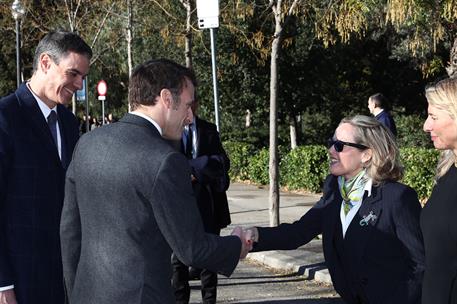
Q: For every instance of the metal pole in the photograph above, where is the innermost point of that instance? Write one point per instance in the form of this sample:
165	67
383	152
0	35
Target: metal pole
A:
18	51
87	105
213	63
103	111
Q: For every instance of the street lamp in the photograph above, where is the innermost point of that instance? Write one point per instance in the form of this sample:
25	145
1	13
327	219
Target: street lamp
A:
18	12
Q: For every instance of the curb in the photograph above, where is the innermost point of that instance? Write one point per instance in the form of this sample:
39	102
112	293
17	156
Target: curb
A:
312	267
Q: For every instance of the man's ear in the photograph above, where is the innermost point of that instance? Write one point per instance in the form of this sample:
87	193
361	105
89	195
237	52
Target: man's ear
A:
44	62
166	97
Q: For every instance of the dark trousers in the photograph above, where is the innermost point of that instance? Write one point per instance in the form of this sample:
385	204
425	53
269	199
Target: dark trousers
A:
180	282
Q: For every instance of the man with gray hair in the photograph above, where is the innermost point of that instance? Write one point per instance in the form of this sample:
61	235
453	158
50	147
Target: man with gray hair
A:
37	137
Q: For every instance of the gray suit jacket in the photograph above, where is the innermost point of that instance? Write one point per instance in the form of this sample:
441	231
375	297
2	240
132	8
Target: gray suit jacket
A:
128	204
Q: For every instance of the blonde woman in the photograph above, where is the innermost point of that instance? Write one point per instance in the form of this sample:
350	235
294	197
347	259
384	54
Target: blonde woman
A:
369	221
438	220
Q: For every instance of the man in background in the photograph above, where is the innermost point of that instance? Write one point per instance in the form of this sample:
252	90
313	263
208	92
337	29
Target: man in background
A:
376	104
209	168
129	201
37	137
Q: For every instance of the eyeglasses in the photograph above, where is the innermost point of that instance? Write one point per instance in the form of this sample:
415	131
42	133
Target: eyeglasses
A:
339	145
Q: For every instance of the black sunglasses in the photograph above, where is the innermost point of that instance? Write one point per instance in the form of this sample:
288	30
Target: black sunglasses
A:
339	145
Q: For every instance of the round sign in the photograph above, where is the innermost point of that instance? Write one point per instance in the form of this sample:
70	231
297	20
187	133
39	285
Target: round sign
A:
102	88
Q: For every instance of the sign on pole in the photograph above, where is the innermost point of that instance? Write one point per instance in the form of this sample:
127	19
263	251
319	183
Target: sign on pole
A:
208	13
208	17
102	88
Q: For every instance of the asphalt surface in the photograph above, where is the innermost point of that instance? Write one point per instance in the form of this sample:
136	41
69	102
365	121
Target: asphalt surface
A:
249	206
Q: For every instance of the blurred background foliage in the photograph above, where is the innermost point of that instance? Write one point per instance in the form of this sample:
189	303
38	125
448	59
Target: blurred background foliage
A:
334	55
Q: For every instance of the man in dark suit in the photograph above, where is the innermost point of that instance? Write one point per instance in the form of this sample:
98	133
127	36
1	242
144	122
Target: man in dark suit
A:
376	105
129	201
209	166
37	137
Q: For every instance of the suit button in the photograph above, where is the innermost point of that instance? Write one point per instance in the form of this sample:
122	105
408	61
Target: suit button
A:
364	281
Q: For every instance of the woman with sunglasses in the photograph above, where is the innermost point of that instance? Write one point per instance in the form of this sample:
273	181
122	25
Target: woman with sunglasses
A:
438	219
368	220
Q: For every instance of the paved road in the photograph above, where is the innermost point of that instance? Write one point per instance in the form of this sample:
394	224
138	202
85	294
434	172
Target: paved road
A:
253	283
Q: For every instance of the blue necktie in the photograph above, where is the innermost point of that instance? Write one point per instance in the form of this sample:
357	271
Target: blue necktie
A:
52	123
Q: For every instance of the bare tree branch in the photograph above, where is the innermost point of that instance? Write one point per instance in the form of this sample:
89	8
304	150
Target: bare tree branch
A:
101	25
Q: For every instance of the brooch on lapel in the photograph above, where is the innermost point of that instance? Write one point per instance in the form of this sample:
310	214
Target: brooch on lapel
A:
367	218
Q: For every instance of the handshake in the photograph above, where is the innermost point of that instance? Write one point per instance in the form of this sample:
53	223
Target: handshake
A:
247	236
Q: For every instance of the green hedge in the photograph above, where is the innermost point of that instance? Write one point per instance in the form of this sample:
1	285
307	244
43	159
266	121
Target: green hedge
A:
420	164
239	154
258	167
410	134
305	167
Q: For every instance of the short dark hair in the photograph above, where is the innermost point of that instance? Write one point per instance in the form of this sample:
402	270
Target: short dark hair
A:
379	100
57	44
150	78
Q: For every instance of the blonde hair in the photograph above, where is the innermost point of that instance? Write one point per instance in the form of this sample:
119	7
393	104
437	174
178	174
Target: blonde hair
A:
385	162
443	95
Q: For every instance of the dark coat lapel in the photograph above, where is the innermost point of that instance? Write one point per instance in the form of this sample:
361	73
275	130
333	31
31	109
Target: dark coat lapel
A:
363	233
66	132
35	118
200	131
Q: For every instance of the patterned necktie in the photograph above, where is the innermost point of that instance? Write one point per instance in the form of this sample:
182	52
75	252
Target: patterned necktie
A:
52	124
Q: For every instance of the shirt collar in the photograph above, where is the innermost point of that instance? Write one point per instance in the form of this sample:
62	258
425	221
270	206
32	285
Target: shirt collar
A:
148	119
43	107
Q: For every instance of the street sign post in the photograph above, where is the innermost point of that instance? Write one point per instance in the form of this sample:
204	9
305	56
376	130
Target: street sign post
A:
208	17
102	88
208	13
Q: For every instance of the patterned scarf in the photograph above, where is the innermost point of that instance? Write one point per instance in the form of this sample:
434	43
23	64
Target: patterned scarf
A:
352	190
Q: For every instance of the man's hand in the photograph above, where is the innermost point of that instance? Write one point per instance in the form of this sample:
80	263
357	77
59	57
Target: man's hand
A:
193	179
252	233
246	243
8	297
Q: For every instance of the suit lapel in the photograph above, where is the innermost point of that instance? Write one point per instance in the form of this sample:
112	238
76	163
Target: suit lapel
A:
65	133
201	137
35	118
360	232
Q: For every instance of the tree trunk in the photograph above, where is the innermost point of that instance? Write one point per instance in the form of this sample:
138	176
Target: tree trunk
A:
248	118
293	132
452	67
273	163
188	43
129	40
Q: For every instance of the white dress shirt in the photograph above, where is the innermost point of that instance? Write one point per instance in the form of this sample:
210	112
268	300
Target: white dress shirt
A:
46	111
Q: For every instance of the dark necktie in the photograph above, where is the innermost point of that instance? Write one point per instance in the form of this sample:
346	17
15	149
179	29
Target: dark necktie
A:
189	143
52	120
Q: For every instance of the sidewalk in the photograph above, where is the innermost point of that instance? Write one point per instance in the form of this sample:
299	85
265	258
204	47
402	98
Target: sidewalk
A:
249	207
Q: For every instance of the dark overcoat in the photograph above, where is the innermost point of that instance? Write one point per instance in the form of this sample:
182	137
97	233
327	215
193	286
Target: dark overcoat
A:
32	178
